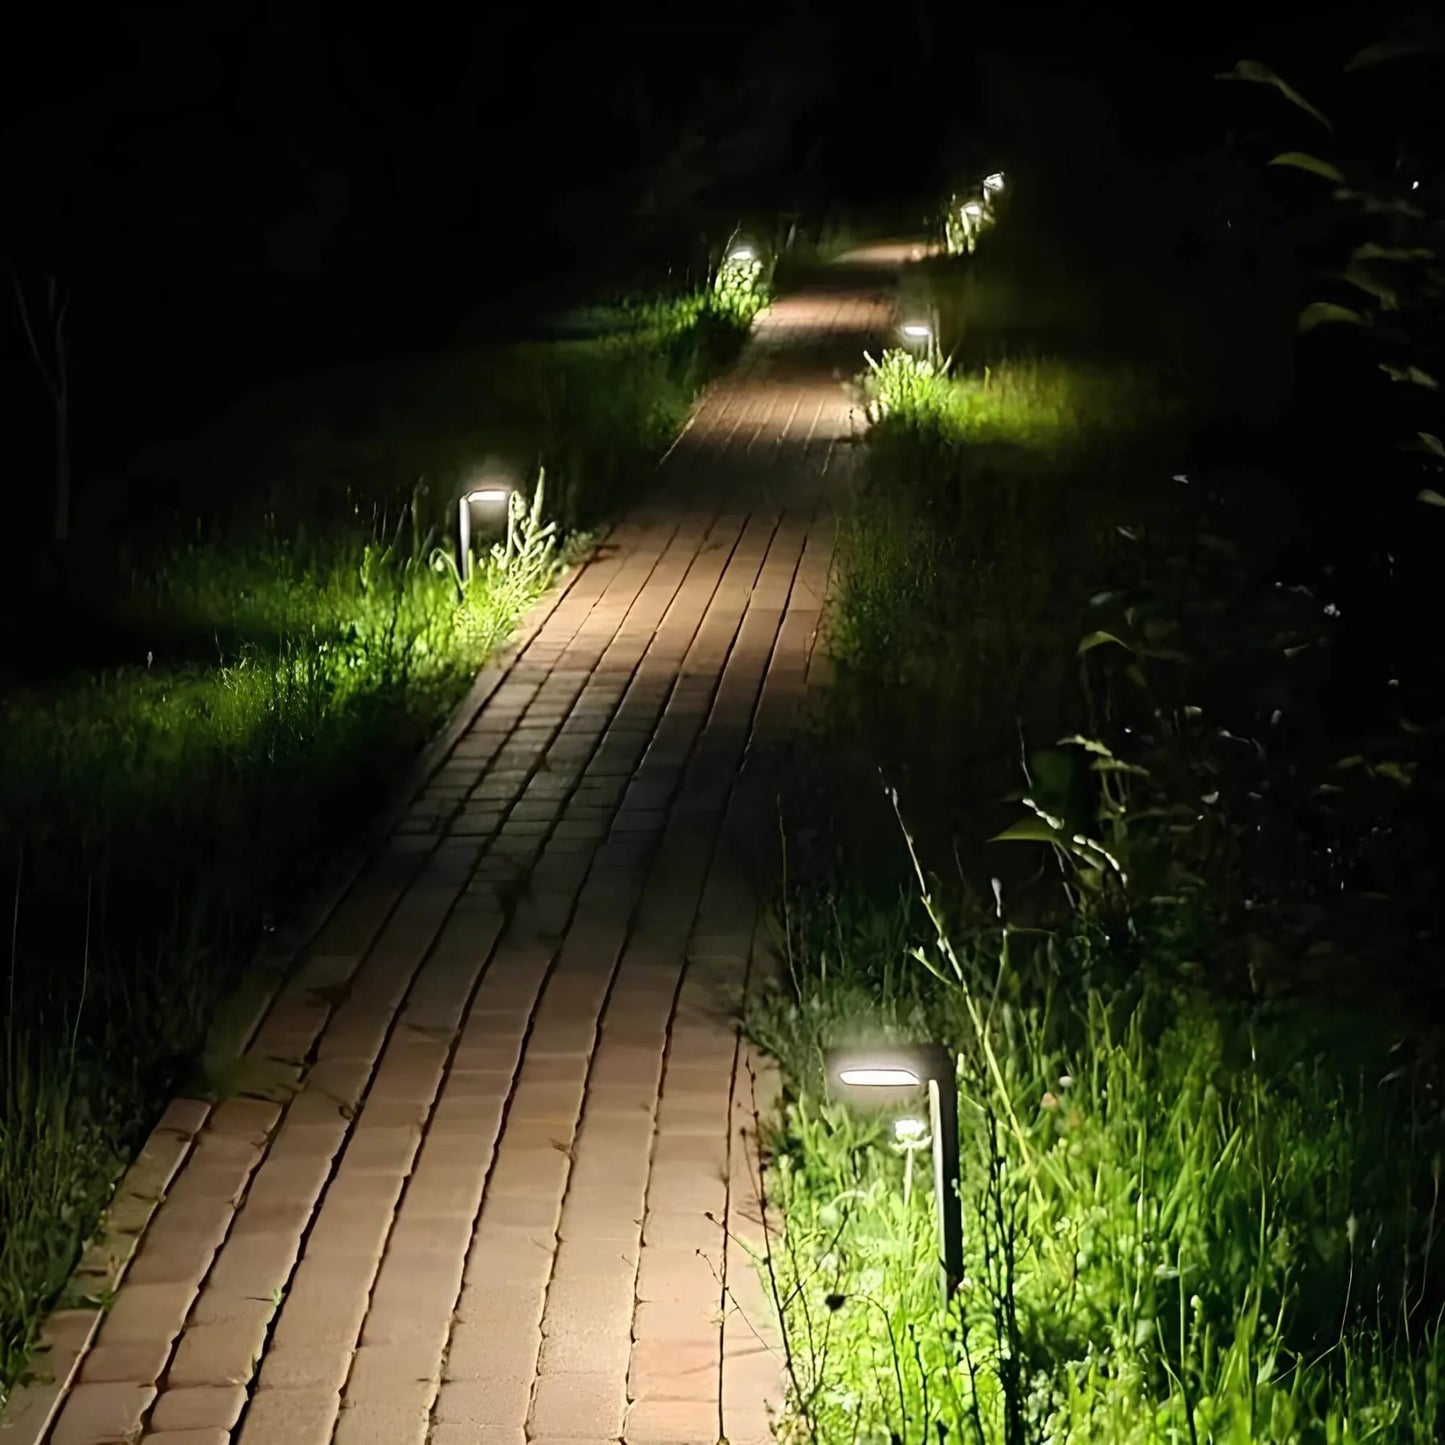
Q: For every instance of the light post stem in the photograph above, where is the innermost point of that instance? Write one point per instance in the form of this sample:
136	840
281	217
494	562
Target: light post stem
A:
464	538
943	1111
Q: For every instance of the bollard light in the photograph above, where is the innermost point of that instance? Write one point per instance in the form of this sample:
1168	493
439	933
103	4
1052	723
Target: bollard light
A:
858	1073
483	509
920	338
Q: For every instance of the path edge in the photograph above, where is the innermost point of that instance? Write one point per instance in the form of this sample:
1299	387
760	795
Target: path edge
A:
29	1412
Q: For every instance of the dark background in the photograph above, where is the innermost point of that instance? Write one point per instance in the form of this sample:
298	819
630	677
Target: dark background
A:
234	192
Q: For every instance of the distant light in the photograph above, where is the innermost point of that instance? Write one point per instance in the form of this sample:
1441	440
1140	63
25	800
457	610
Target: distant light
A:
483	495
880	1078
993	182
918	330
1414	185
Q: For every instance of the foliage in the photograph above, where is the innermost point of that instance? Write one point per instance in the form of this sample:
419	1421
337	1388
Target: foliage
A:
1184	795
739	288
1378	239
156	816
912	387
1179	1223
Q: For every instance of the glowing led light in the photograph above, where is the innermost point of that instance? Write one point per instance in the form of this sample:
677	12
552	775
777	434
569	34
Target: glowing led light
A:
483	495
880	1078
918	331
742	253
907	1067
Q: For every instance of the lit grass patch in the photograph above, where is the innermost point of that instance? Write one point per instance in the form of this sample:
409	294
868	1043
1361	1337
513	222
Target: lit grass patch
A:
1181	1222
154	816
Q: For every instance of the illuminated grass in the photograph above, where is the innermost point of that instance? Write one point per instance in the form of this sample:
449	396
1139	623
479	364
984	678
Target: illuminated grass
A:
1180	1223
157	817
1201	1163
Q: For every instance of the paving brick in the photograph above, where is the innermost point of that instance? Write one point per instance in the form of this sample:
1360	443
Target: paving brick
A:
411	1302
675	1368
147	1312
677	1276
322	1364
254	1263
529	1163
673	1422
251	1119
483	1408
379	1372
126	1362
290	1417
502	1360
94	1413
198	1408
226	1353
578	1404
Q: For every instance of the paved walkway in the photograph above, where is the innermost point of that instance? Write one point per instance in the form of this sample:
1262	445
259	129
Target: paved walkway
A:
510	1193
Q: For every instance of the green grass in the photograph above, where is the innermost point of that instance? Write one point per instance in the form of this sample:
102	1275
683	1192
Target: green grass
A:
1180	1222
594	410
291	653
966	563
1201	1154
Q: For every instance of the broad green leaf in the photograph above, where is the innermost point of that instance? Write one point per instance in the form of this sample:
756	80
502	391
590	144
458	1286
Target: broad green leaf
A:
1412	374
1318	313
1371	285
1113	765
1430	497
1431	443
1396	773
1089	745
1027	830
1098	639
1380	205
1383	50
1303	161
1263	75
1372	252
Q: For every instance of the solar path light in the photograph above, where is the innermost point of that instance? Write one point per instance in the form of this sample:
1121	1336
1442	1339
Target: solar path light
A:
886	1075
483	510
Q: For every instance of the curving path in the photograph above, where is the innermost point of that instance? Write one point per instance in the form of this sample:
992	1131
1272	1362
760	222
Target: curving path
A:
497	1182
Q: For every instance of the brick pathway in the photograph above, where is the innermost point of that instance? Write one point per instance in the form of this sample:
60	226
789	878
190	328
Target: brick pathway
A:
510	1194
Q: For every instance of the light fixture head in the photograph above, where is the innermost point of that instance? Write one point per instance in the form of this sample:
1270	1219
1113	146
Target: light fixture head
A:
880	1077
482	496
903	1066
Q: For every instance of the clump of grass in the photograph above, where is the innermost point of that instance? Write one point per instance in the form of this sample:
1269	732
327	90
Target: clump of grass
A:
153	817
1201	1171
1180	1222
